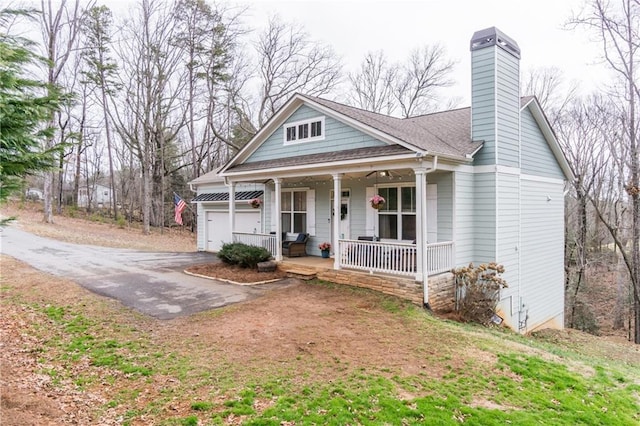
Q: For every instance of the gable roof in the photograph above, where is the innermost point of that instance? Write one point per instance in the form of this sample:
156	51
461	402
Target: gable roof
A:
445	133
441	133
531	102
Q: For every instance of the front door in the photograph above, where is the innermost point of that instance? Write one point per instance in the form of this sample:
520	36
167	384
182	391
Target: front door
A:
342	217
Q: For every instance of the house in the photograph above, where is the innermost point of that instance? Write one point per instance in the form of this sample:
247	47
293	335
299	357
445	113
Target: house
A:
476	184
96	195
34	194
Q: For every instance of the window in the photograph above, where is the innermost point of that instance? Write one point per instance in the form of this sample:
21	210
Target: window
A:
316	129
291	133
304	131
294	211
397	218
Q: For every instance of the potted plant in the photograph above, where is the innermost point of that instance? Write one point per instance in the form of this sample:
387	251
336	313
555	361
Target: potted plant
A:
255	203
377	201
324	249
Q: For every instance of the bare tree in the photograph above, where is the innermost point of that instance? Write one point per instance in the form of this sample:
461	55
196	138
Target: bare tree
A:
372	86
426	71
60	28
289	62
552	91
617	26
149	117
405	89
579	130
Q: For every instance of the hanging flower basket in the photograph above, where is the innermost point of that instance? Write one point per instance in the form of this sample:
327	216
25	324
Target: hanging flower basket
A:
255	203
377	202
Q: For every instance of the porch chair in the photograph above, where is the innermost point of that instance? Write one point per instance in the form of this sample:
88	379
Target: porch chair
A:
297	247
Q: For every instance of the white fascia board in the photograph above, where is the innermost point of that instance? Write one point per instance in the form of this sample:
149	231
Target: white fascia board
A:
267	130
549	136
324	168
346	166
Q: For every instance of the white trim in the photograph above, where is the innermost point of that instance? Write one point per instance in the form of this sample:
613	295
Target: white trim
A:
330	167
542	179
385	137
545	127
310	138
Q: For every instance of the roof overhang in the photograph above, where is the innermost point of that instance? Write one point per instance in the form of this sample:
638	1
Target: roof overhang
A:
288	109
550	136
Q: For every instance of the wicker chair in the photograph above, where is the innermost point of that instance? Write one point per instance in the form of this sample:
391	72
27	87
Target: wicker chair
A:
297	247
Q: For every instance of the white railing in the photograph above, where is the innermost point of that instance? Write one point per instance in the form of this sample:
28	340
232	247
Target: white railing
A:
267	241
440	257
394	258
391	258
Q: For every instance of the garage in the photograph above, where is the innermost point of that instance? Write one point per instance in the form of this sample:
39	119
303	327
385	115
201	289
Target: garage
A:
217	226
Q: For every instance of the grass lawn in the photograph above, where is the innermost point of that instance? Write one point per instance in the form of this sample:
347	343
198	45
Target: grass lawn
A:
350	357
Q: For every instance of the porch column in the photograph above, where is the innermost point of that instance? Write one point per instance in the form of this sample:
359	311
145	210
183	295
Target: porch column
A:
421	231
278	218
337	204
232	208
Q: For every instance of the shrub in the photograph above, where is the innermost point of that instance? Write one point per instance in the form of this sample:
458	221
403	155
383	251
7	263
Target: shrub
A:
478	291
121	222
243	255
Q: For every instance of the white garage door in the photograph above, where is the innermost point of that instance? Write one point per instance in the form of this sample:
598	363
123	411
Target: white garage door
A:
218	231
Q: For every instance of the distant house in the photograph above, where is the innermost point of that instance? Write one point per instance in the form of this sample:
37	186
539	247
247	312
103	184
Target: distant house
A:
476	184
34	194
96	196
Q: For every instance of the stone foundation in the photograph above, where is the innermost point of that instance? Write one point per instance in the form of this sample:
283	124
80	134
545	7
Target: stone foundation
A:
441	287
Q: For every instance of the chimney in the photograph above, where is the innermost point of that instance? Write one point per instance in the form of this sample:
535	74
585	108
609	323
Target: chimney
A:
495	97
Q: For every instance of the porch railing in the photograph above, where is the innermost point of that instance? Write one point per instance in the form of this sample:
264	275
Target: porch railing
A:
394	258
267	241
440	257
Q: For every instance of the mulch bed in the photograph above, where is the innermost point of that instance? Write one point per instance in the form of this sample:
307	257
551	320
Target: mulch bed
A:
235	273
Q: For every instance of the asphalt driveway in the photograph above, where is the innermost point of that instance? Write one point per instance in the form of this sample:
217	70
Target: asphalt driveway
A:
150	282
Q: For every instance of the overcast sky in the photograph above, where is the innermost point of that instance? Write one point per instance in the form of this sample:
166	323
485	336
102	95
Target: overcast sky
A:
357	26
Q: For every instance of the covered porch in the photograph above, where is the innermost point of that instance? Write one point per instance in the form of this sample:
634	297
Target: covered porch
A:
374	257
409	236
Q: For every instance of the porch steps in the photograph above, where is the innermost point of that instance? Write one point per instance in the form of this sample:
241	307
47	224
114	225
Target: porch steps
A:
299	271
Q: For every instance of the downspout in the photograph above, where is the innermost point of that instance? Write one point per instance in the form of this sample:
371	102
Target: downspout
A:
425	280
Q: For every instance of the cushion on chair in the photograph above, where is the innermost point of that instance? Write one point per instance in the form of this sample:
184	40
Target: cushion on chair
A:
301	238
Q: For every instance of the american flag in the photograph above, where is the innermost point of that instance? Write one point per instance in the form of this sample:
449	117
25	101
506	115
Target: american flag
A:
180	205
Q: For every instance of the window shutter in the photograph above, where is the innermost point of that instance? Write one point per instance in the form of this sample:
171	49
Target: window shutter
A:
311	212
370	215
274	225
432	213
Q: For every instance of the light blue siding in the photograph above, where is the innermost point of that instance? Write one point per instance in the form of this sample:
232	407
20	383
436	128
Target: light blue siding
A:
338	137
484	212
483	103
537	157
508	231
542	257
445	204
495	106
464	218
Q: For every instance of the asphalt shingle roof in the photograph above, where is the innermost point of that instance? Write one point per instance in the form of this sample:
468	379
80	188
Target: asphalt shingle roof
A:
446	132
325	157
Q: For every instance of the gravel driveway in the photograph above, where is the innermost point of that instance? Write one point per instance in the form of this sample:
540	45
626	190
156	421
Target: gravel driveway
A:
150	282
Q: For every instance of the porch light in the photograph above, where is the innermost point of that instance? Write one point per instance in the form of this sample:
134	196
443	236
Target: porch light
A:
381	173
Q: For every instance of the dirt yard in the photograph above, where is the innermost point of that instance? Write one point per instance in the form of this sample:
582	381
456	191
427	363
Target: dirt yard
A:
336	326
